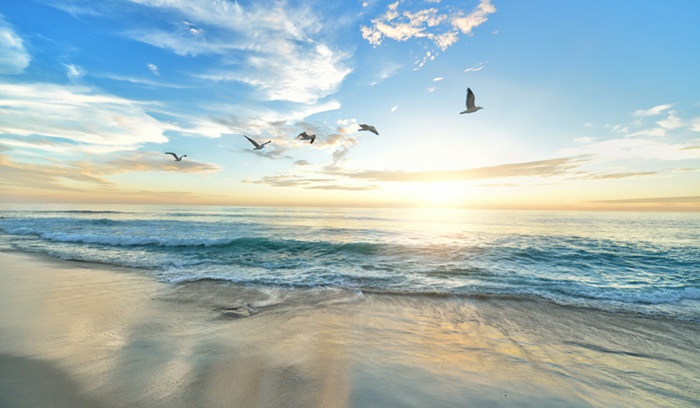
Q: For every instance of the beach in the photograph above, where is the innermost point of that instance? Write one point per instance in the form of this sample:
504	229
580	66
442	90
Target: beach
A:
84	334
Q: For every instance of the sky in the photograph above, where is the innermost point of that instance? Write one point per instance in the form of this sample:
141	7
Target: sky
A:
587	105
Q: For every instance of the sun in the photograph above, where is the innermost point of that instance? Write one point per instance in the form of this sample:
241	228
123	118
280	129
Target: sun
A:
441	193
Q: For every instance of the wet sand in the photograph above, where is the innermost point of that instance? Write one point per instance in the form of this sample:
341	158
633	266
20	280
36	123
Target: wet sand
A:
83	335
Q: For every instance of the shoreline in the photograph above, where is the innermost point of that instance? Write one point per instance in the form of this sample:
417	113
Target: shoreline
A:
83	334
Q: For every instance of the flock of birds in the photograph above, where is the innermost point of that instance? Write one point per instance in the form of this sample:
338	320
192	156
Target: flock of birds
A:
471	108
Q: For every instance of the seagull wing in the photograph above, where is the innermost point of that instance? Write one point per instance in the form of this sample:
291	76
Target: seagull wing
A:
369	128
312	139
302	135
471	99
252	141
263	145
174	155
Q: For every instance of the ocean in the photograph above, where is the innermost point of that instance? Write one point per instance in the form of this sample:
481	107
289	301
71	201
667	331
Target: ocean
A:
618	262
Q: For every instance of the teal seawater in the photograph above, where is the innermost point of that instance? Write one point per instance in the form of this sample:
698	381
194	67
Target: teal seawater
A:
646	263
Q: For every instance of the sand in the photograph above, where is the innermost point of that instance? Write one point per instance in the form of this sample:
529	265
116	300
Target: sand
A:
83	335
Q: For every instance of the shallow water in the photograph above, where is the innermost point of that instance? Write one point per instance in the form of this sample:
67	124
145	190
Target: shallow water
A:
640	263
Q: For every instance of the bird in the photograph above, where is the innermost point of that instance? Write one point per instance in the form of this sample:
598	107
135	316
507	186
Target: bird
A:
470	103
369	128
306	136
176	157
256	144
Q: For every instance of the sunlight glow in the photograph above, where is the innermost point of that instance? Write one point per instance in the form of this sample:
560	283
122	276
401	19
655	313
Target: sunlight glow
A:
440	193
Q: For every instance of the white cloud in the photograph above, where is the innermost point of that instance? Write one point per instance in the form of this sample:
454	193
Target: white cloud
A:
695	126
154	69
478	16
297	77
671	122
386	72
429	56
13	56
289	65
275	122
656	110
477	67
78	114
620	129
394	108
437	79
628	148
74	71
441	27
653	132
666	139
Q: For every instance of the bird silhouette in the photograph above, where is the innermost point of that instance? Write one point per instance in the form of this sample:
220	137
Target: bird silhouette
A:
176	156
305	136
471	99
369	128
256	144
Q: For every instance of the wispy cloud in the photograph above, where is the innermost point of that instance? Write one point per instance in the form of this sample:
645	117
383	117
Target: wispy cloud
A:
603	176
294	63
339	178
695	125
73	71
90	178
386	72
286	180
311	183
14	57
542	168
653	200
79	114
671	122
270	122
665	139
139	81
302	76
656	110
96	170
633	148
477	67
140	161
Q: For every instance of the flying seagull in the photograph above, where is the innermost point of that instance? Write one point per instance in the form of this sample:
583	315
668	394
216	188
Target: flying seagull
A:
470	103
257	146
176	157
306	136
369	128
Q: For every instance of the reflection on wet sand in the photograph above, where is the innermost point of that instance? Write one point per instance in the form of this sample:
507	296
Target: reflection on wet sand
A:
115	338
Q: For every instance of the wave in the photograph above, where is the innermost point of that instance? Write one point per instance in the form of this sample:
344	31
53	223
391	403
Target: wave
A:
253	243
651	297
669	305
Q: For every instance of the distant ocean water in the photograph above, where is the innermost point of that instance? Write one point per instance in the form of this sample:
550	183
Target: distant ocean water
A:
643	263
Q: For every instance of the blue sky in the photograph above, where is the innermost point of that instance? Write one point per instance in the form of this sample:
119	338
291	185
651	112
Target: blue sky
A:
587	105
